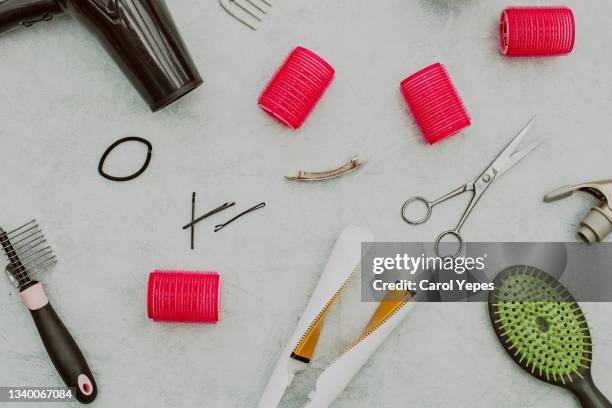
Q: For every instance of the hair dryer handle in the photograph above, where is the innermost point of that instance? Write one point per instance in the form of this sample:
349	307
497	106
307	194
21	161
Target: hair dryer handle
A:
15	13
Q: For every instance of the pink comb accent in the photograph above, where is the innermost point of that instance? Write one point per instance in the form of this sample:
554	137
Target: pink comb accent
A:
177	296
536	31
34	297
435	104
296	87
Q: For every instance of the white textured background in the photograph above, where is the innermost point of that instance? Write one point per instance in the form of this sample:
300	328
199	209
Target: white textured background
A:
63	101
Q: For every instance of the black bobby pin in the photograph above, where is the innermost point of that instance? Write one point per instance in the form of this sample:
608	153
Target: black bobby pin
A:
208	214
257	207
192	217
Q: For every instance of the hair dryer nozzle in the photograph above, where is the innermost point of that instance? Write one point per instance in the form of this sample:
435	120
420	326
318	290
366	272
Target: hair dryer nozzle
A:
597	224
143	39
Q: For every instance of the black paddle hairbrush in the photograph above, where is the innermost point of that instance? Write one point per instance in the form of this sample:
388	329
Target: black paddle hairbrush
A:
543	329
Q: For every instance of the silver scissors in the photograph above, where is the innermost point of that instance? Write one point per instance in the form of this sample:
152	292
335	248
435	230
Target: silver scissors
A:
502	163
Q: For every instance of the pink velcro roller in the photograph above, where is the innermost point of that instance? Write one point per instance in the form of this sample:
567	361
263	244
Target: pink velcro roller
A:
296	87
434	103
536	31
177	296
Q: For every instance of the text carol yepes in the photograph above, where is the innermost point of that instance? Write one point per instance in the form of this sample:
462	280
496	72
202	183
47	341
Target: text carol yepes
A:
426	285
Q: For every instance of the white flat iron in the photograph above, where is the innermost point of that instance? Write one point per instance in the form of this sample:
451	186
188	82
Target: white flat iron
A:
344	259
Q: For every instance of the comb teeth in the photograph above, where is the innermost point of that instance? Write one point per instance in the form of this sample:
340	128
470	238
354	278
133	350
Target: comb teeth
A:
248	12
27	252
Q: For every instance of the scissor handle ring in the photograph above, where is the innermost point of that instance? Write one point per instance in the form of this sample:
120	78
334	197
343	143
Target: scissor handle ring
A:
439	240
410	201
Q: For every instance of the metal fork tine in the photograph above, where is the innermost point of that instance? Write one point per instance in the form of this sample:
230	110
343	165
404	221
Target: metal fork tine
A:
29	259
32	264
252	3
25	270
27	251
47	255
30	244
19	241
30	252
23	257
37	268
246	9
18	228
30	241
248	12
12	238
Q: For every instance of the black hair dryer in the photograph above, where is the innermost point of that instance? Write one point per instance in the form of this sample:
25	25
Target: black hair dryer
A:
139	34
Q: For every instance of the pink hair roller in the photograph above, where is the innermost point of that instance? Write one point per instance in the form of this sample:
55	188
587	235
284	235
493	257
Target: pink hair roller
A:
296	87
434	103
177	296
536	31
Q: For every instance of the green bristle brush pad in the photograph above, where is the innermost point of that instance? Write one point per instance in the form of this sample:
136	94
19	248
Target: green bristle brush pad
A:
541	326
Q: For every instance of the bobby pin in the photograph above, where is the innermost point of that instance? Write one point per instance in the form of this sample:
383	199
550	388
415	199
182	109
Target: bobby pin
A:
257	207
192	217
208	214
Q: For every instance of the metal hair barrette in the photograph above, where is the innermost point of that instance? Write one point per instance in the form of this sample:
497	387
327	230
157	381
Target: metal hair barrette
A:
346	168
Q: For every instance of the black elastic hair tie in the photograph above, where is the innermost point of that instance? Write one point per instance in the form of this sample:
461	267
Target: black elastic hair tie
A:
117	143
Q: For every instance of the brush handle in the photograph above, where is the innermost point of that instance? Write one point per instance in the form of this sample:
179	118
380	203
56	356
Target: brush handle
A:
65	353
588	394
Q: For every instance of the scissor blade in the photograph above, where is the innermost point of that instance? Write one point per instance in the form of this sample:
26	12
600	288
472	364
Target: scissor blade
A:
505	159
517	157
